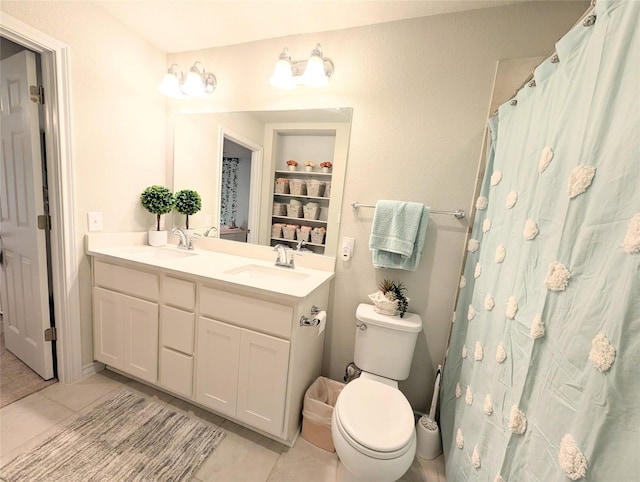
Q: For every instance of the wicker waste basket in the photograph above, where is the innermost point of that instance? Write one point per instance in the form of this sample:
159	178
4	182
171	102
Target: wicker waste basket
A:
317	410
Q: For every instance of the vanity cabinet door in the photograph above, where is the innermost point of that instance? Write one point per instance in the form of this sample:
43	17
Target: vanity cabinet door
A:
217	360
242	374
108	328
141	339
126	333
262	381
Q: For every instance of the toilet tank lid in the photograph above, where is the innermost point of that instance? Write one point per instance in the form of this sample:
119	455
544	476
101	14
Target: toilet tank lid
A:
410	322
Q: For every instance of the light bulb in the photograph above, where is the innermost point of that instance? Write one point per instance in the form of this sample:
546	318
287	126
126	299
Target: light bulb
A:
192	84
170	85
282	77
315	74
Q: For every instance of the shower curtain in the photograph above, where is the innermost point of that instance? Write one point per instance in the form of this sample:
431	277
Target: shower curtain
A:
229	194
542	377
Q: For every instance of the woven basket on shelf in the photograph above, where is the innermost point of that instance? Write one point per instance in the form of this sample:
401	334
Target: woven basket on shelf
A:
303	235
311	212
282	186
317	236
279	209
327	189
315	188
298	187
294	211
289	232
276	230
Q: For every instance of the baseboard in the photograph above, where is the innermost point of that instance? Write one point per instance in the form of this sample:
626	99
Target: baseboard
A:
91	369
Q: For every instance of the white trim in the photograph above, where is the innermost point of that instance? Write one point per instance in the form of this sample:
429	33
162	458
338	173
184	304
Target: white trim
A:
92	368
64	255
254	199
253	220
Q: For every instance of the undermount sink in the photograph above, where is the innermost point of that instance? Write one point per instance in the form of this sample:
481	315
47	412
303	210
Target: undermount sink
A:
256	272
161	253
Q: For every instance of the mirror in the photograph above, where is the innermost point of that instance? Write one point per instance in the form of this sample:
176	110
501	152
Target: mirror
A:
236	160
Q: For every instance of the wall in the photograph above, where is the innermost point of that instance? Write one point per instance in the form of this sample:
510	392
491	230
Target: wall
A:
420	91
117	116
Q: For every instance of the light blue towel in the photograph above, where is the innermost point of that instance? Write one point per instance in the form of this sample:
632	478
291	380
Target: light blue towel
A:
398	233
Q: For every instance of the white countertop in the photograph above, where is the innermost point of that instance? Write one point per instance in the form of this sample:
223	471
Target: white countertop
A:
209	265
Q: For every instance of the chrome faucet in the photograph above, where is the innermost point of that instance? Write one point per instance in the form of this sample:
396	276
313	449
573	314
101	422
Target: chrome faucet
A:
282	260
185	241
300	245
212	228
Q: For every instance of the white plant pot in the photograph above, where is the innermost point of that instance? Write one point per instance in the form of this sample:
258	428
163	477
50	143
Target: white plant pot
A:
293	168
308	168
157	238
382	305
325	169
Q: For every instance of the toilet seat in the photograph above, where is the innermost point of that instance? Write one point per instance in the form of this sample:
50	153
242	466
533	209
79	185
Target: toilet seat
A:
374	418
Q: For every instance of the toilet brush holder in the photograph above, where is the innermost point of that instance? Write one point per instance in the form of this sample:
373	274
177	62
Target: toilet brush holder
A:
429	445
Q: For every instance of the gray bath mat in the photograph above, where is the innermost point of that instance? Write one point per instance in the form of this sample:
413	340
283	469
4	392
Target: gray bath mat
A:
127	438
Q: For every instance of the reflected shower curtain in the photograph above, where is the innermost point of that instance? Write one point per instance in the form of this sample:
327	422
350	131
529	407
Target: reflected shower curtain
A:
229	192
542	378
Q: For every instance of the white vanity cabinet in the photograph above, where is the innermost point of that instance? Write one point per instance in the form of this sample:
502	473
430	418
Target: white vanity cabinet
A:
237	350
125	314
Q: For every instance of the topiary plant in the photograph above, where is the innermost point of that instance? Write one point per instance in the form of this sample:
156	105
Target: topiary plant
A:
157	200
188	202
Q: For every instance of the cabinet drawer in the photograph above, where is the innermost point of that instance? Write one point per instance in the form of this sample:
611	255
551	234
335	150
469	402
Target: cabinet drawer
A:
177	329
126	280
178	292
259	315
176	372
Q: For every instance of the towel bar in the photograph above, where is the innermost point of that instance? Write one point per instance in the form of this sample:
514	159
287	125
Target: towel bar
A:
459	214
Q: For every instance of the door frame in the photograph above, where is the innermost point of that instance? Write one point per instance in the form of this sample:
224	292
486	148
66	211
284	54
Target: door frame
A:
64	255
256	179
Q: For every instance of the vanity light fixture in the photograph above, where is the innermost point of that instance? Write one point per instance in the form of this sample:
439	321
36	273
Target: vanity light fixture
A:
313	72
197	83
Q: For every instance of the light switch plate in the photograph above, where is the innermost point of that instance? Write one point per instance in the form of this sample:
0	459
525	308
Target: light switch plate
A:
94	220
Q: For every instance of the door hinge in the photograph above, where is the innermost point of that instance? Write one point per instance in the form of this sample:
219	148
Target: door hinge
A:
50	334
44	221
36	92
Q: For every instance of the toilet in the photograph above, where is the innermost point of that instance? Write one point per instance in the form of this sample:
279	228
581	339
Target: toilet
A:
372	426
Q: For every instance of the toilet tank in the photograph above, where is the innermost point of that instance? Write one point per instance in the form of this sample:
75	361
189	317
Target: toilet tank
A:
385	344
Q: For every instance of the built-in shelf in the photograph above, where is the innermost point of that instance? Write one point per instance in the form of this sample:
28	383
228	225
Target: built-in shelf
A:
317	145
305	173
291	220
301	196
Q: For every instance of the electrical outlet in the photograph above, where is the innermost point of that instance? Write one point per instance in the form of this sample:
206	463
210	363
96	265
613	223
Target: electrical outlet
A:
347	248
94	220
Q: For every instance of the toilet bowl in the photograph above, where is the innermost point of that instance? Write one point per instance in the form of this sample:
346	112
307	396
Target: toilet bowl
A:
372	425
373	430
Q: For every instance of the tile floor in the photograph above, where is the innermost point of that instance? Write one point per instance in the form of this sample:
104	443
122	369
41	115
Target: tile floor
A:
243	456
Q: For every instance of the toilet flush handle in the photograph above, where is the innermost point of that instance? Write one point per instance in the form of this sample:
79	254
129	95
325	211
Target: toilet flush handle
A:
361	326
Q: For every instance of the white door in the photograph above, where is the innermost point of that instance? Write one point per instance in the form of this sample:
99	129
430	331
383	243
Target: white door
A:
25	299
